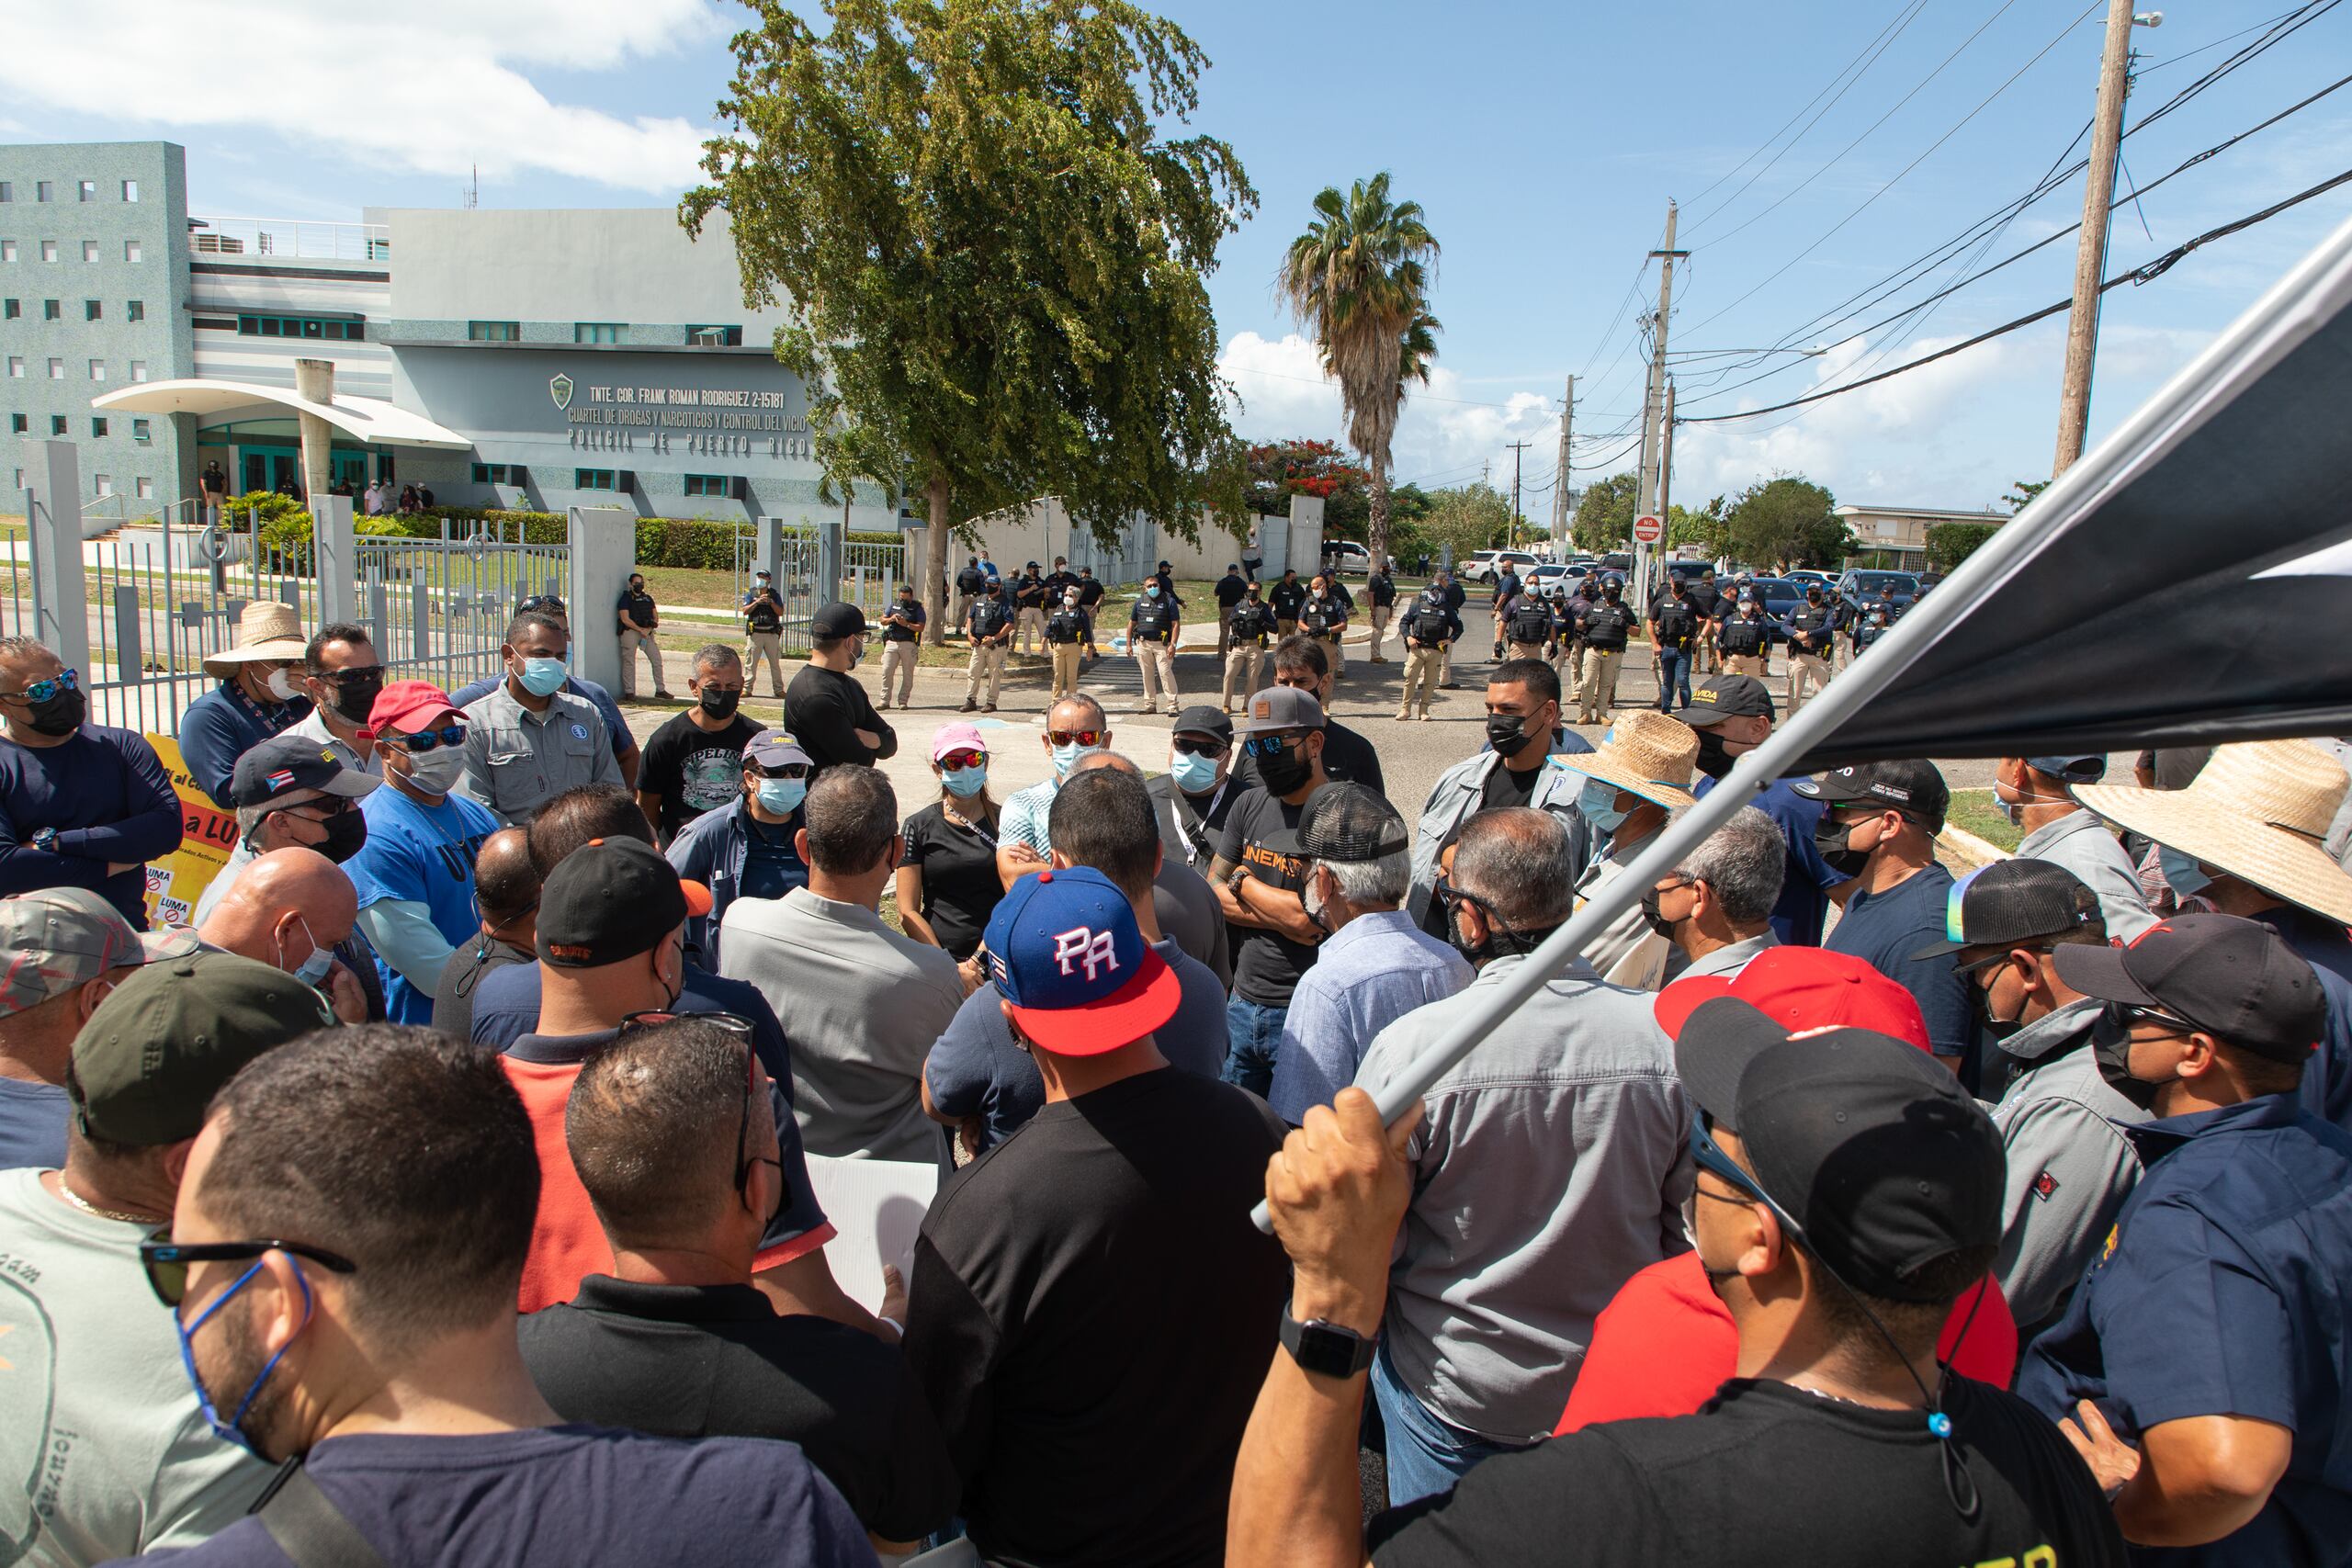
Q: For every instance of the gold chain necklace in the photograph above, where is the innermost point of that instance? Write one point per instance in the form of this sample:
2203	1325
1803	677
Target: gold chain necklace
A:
89	1208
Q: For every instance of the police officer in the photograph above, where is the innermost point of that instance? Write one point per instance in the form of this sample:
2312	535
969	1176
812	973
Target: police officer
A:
1674	633
1744	638
1286	596
1029	606
1252	628
1167	580
1874	624
1229	590
901	630
1090	595
1058	582
1606	628
764	634
2200	1367
1324	618
1568	634
1381	590
1812	626
1430	628
1713	606
971	583
1453	597
988	625
1153	627
1507	591
1067	630
1528	626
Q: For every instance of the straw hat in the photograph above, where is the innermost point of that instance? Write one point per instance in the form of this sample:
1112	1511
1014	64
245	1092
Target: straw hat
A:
2260	811
1647	752
267	631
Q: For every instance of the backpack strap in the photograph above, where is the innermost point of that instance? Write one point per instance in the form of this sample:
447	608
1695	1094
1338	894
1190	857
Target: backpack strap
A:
307	1527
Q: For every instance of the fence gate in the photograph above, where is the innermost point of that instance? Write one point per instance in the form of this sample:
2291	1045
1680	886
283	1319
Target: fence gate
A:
438	609
870	575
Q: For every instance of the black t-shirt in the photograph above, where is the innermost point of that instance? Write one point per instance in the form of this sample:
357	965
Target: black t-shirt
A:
1287	597
1090	592
476	957
1028	593
960	887
1230	588
821	706
640	610
893	632
1261	834
1348	758
694	770
1504	787
1380	590
718	1361
1769	1475
1091	1314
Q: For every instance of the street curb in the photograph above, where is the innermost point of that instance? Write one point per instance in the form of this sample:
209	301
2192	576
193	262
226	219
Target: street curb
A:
1984	852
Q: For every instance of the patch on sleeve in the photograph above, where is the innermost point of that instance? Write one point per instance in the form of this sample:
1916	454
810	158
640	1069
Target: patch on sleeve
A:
2045	1185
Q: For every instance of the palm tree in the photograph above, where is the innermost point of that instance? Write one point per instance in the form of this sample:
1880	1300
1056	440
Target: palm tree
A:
1357	281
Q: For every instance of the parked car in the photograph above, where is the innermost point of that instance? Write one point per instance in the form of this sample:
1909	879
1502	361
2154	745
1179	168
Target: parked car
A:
1780	596
1481	567
1540	579
1859	588
1347	556
1803	575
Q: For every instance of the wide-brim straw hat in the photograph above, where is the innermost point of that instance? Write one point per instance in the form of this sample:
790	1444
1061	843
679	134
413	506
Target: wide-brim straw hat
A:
267	631
1647	752
2259	810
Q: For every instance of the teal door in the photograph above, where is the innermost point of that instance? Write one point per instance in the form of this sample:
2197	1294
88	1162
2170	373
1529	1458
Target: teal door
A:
266	467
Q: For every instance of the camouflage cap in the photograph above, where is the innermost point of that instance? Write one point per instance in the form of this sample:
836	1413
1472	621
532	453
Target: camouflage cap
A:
59	937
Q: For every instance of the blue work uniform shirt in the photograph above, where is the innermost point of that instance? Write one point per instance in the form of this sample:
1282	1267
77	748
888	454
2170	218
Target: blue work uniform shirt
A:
2220	1292
420	854
1803	903
1885	928
222	725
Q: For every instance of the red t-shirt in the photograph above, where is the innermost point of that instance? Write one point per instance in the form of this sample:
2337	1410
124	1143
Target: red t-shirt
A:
1666	1342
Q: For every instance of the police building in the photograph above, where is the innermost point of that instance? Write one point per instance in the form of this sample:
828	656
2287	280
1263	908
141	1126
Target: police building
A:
532	360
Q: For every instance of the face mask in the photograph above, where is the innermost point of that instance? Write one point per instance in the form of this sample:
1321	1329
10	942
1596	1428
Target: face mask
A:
1714	760
1311	900
783	797
2111	1048
1287	770
1065	757
2182	874
232	1429
1980	1000
436	771
1654	916
1597	803
1477	952
1508	733
542	677
1829	839
355	695
965	783
281	686
856	652
718	703
1193	772
346	832
62	714
1152	588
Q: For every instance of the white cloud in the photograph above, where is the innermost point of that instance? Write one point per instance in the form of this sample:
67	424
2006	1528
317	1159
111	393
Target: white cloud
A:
432	86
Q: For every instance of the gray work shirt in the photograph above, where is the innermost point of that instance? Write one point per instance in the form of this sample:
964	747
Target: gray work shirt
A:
2084	845
1551	1166
1731	958
517	760
2070	1166
313	726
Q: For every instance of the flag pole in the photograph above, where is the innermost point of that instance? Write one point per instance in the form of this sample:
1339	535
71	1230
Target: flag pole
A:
2307	298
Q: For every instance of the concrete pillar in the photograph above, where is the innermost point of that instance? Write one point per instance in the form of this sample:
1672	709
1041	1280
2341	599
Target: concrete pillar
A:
314	383
53	534
336	556
831	541
1305	548
767	552
604	552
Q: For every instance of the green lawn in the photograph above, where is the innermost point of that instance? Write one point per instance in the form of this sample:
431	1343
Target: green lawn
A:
1976	810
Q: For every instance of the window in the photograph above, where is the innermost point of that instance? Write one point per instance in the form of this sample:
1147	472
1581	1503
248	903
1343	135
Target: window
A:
56	424
593	479
97	428
498	473
136	309
56	370
17	367
50	310
7	250
18	424
494	332
40	190
301	326
49	250
139	370
97	370
102	484
595	331
142	429
146	488
715	337
707	484
131	250
10	309
89	250
89	191
93	310
130	190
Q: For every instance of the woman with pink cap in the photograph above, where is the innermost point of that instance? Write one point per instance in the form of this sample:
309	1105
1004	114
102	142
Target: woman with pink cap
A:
948	883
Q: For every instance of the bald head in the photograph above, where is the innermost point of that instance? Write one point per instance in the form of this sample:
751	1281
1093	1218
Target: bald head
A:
282	892
507	884
1104	759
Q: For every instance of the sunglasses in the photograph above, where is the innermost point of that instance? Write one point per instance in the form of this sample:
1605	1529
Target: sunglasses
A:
425	740
1708	1156
1271	745
333	806
1074	737
965	760
1189	747
2125	1014
166	1261
370	674
548	602
782	770
42	691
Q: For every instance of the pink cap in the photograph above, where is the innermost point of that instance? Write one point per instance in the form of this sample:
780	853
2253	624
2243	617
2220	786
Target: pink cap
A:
957	738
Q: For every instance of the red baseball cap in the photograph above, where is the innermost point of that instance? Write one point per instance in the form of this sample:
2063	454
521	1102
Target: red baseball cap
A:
1804	990
403	708
1067	955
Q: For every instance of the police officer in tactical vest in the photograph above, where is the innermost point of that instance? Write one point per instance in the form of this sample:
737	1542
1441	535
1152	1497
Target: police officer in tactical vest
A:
1812	626
1068	629
1528	626
1674	633
1152	630
1246	634
1744	638
1605	626
764	635
988	624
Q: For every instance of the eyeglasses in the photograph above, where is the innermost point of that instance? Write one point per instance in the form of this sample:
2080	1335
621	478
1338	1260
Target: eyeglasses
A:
42	691
782	770
166	1261
1272	745
1191	748
966	758
1074	737
425	740
329	806
1708	1156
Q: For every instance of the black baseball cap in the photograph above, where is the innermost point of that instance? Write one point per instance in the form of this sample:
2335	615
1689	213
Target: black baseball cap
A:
838	621
2089	767
1719	697
611	899
1350	822
285	763
1869	1143
1202	719
2236	979
2013	901
1910	784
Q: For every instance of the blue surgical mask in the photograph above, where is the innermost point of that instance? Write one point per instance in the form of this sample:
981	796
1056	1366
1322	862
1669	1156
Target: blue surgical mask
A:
1191	771
783	797
1065	757
313	971
228	1431
1597	805
2182	873
1152	588
542	677
965	783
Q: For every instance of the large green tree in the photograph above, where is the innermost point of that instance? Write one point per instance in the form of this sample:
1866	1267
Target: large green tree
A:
991	257
1787	522
1604	519
1469	518
1357	281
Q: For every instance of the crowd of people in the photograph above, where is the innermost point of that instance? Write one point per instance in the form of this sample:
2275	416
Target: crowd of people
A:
442	1192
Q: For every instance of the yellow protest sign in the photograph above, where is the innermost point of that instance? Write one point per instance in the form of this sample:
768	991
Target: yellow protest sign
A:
207	836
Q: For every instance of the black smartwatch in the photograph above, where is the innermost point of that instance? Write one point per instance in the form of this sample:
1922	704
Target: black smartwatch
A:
1326	1349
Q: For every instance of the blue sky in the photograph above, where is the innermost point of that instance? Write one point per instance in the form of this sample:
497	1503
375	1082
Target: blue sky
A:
1544	141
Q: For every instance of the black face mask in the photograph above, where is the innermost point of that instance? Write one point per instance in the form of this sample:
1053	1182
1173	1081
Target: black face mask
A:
1713	761
1829	839
1980	1001
356	692
2111	1048
1508	733
718	704
1287	771
62	714
1654	916
346	833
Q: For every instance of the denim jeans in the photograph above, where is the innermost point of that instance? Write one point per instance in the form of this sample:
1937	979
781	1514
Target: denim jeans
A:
1426	1454
1673	668
1251	1034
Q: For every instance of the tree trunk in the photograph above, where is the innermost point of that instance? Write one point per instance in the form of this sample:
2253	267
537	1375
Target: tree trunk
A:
1376	524
936	540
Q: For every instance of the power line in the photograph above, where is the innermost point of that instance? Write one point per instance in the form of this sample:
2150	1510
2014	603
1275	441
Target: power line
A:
2146	273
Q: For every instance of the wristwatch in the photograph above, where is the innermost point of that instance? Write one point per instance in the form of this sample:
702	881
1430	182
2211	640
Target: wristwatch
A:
46	840
1326	1349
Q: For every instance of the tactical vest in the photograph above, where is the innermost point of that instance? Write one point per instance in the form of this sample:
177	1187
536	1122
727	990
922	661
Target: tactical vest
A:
1675	621
1065	627
1530	623
1318	616
1743	636
760	616
970	582
1607	627
990	617
1252	623
1807	624
1150	623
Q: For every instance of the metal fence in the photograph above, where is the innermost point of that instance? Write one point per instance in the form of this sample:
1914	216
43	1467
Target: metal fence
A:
868	576
438	609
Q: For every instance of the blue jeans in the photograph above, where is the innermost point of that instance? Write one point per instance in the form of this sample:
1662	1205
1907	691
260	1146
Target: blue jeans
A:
1426	1453
1251	1033
1673	667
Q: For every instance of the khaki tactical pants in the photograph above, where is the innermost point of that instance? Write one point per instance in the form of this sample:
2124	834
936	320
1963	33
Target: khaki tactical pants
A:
1158	661
1380	614
1032	628
987	658
1423	667
898	660
1065	657
1333	655
1527	650
631	643
1241	672
1597	692
1806	671
1223	630
770	646
1744	664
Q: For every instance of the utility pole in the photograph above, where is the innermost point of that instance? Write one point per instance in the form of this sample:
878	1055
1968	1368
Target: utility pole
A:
2090	247
1560	484
1666	465
1510	532
1646	488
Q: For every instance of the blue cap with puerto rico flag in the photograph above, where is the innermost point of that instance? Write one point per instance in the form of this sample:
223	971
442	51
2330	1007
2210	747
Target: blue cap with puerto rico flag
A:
1064	949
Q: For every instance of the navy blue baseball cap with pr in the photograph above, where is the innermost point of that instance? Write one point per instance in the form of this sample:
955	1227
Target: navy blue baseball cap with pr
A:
1064	950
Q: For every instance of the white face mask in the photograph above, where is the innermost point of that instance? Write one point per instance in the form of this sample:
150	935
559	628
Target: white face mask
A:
281	686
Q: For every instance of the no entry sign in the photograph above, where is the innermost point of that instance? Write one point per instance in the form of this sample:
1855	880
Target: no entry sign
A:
1648	529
